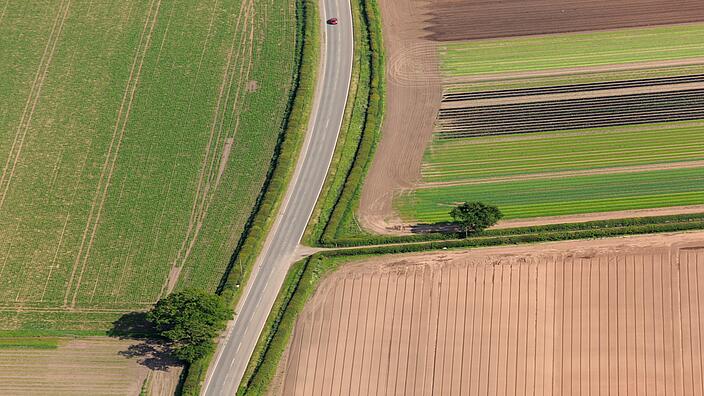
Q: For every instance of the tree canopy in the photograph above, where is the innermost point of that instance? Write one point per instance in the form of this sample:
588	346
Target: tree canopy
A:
475	216
190	319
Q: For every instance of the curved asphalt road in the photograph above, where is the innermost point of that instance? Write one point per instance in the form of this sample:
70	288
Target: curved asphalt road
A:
279	249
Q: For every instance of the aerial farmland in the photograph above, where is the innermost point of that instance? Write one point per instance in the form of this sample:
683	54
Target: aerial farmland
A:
548	110
130	157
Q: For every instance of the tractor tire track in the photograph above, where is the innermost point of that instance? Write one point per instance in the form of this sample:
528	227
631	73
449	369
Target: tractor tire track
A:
113	151
33	99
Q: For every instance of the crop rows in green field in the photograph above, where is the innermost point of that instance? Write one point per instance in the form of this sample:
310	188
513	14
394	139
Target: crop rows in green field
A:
121	172
583	77
475	158
562	196
573	50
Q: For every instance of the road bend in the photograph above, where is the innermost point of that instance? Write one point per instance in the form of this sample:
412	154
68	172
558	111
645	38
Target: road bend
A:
279	249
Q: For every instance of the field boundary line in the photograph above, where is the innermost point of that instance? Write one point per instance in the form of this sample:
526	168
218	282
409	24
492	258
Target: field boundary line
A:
34	95
112	154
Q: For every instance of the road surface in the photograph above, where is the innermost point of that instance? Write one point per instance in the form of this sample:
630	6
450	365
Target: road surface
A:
279	249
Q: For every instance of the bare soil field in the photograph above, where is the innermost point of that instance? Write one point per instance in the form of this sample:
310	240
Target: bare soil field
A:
411	107
463	20
615	316
93	366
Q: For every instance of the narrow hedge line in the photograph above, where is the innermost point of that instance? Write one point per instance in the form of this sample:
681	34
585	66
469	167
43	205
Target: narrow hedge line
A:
281	170
348	199
303	278
486	241
589	225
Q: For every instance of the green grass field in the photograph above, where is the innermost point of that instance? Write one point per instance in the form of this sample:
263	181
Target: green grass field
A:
474	158
562	196
574	78
130	144
573	50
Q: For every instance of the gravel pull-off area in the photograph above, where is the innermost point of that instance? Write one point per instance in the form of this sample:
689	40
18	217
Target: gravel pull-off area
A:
614	316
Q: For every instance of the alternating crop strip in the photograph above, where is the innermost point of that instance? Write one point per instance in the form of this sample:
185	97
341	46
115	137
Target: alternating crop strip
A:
571	114
571	88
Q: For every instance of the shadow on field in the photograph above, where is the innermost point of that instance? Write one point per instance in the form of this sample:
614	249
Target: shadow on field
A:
149	349
426	228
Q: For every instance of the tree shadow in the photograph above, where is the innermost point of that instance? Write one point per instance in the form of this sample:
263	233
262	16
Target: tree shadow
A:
149	350
451	229
153	354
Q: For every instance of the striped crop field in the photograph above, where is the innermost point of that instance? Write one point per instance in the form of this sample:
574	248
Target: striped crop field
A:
456	160
555	115
561	195
131	149
572	50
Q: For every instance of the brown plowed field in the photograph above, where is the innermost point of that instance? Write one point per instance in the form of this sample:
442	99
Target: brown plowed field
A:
618	316
78	367
477	19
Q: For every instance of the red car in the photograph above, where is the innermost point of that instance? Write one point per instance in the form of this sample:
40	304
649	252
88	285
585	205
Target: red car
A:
332	21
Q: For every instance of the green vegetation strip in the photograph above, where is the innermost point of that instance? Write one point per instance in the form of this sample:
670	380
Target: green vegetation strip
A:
473	158
334	214
29	343
573	50
308	44
562	196
304	277
575	78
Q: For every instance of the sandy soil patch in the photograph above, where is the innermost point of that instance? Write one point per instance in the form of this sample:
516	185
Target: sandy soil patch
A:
621	315
474	19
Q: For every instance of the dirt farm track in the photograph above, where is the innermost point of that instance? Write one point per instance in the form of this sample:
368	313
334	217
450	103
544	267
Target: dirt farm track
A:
619	316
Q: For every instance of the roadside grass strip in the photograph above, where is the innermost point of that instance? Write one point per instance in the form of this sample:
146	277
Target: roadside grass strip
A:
476	158
573	50
133	147
561	196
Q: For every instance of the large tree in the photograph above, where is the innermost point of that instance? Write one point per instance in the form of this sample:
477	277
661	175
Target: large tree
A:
190	319
475	216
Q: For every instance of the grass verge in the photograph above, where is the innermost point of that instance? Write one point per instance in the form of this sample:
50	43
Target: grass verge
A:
283	164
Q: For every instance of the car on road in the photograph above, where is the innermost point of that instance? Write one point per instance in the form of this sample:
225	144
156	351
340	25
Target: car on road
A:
332	21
